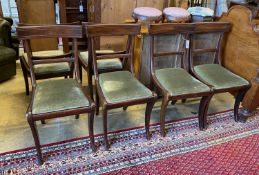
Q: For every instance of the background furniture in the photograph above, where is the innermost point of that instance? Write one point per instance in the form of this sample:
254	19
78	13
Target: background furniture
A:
253	5
38	12
202	5
241	53
118	88
72	11
7	54
213	73
59	97
115	11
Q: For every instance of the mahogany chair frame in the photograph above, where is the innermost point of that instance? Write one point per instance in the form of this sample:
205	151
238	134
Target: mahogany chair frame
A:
129	30
174	29
26	69
221	28
74	32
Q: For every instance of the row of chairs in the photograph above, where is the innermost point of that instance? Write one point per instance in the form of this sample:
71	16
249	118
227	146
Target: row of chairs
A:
119	88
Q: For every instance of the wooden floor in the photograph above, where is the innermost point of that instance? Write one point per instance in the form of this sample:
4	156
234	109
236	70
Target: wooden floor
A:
15	132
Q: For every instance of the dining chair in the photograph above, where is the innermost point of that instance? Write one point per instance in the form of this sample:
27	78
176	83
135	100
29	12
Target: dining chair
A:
170	42
54	98
205	62
118	88
45	71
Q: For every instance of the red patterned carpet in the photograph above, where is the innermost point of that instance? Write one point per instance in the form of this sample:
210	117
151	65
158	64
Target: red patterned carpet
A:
240	156
226	147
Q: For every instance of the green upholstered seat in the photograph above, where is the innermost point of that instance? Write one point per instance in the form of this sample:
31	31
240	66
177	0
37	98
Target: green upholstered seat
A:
122	86
58	95
177	81
43	69
103	65
219	77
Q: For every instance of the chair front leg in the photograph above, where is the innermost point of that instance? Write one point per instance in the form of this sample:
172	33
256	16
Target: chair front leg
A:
105	130
239	97
149	108
36	139
91	129
203	109
162	115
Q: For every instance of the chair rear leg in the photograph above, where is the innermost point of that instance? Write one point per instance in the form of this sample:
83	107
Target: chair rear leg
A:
203	109
36	140
184	100
105	130
43	122
77	116
91	130
162	116
239	97
173	102
149	108
125	108
90	84
97	101
80	72
25	76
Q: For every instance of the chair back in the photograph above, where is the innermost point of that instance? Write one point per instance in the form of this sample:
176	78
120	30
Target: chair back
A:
29	32
206	42
95	31
169	45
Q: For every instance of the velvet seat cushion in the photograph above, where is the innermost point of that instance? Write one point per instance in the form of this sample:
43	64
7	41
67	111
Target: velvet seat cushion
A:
147	14
103	65
176	14
177	82
122	86
7	55
44	69
58	95
219	77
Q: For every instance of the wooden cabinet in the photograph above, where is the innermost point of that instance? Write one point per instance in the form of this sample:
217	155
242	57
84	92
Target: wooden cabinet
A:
38	12
117	11
70	12
241	53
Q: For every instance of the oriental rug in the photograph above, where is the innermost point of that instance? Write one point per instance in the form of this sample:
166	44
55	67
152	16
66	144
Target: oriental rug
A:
226	147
